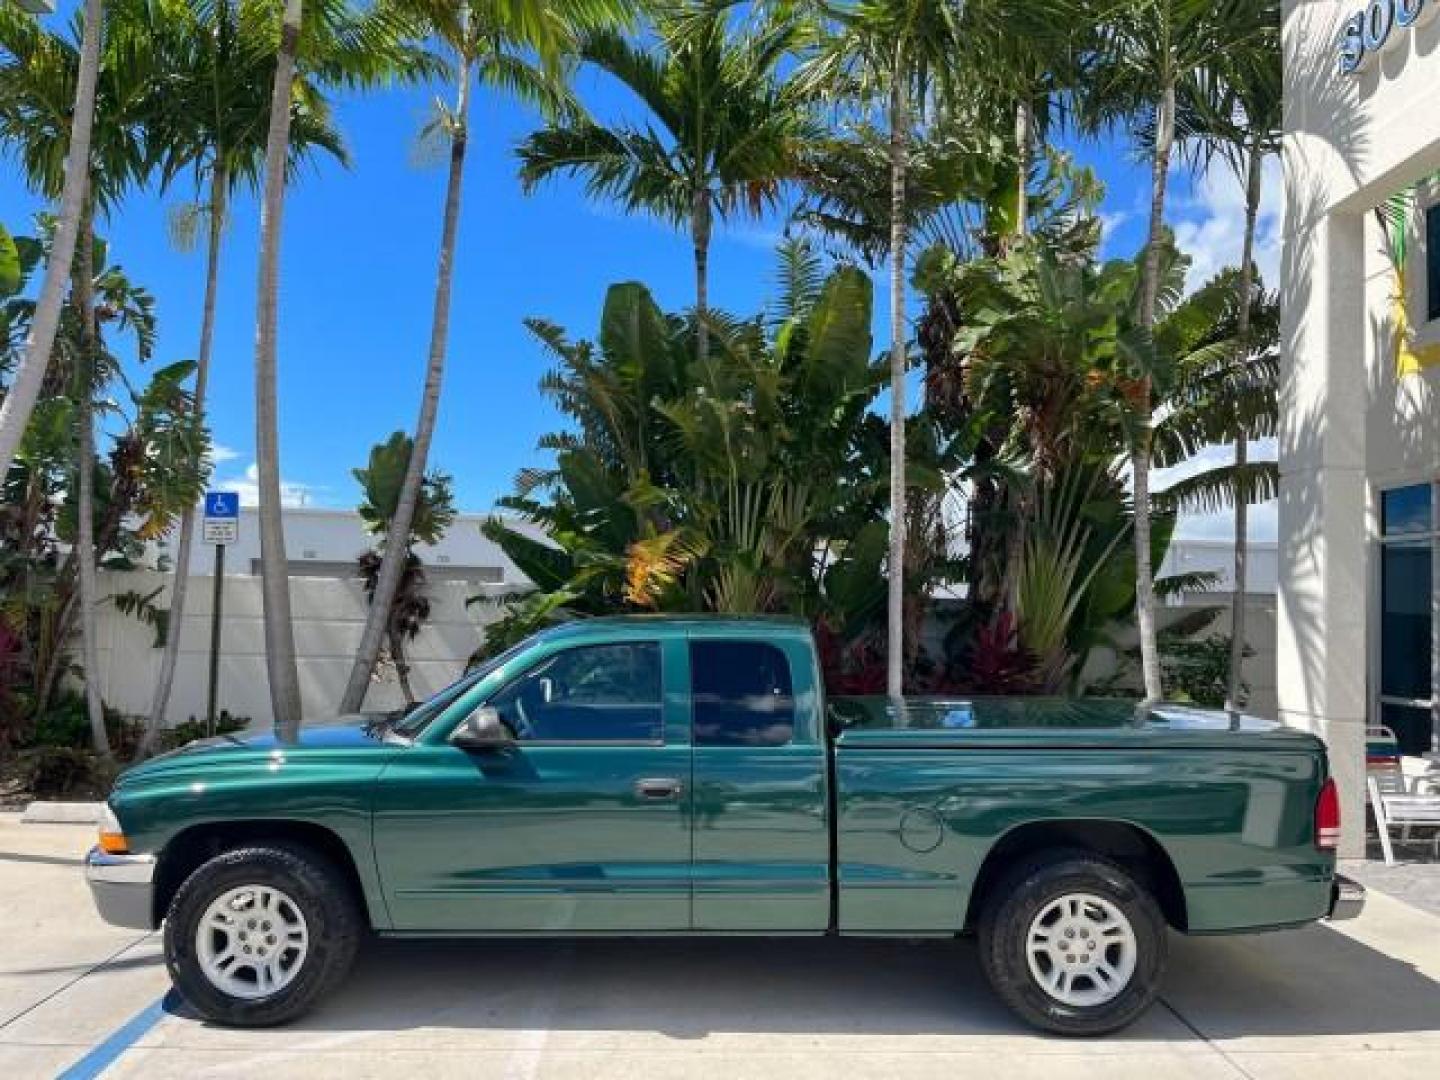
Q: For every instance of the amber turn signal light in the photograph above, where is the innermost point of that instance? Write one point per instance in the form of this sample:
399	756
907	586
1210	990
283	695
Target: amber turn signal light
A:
112	837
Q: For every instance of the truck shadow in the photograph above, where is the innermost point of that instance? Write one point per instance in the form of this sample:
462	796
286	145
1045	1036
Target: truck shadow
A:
1315	981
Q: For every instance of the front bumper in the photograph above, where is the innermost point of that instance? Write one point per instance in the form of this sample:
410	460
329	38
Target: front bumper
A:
1347	898
123	887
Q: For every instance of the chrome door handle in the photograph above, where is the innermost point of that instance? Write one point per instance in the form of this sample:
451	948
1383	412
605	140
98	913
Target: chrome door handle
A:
658	787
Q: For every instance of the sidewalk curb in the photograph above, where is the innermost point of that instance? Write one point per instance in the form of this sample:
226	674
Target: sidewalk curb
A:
61	813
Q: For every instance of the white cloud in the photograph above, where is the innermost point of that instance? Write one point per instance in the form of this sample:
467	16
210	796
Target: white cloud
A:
219	454
292	493
1111	221
764	239
1210	224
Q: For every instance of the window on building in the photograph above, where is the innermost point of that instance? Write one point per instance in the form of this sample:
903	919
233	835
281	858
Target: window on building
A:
1408	541
1432	262
1405	511
742	694
593	693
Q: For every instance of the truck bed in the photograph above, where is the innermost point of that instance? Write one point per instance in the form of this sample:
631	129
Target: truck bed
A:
945	723
926	794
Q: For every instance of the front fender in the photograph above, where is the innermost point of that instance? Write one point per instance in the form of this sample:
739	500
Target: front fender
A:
329	790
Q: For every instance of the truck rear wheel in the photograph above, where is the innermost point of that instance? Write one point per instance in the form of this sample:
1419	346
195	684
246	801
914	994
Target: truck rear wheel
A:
257	936
1073	943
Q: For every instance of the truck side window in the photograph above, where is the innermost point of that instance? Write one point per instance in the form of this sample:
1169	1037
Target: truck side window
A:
741	693
592	693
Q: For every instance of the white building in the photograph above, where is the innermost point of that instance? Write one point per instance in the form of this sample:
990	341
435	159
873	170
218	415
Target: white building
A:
325	543
1360	443
328	608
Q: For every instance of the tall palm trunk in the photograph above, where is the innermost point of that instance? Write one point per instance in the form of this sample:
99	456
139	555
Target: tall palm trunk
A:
402	666
219	185
1024	134
83	295
895	599
396	553
1242	446
274	568
700	225
1141	452
30	376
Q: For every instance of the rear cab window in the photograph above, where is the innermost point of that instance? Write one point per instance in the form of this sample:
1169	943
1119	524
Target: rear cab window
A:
742	694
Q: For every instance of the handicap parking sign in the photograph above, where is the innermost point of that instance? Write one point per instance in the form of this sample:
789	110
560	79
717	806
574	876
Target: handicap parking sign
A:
222	517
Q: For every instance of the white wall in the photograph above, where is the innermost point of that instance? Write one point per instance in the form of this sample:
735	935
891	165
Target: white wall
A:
1214	556
329	536
329	614
1259	669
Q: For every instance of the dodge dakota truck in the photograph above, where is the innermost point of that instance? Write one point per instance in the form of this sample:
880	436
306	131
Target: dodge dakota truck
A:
653	776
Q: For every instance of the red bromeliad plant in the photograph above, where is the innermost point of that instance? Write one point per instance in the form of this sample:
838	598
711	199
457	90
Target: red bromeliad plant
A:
852	667
997	663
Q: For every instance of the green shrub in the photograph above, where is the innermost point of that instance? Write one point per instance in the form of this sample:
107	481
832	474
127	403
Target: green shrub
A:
1198	670
66	725
49	772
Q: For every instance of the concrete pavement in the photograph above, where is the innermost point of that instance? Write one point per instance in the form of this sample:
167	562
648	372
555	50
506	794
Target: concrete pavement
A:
1327	1001
1415	877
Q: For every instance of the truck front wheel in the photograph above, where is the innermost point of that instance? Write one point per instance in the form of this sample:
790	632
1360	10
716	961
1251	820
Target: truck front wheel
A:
258	935
1073	943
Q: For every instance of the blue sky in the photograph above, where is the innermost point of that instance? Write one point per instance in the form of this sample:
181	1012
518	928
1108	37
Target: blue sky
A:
358	274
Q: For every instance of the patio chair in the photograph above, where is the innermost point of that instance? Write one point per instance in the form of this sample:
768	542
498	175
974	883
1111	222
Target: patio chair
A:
1395	800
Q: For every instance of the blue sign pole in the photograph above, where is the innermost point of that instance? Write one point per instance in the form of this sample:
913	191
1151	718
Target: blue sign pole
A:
222	520
217	600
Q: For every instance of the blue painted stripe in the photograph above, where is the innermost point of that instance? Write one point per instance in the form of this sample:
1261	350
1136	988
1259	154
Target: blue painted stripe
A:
123	1038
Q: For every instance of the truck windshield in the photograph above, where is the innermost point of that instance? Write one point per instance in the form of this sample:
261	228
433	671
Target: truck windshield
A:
416	720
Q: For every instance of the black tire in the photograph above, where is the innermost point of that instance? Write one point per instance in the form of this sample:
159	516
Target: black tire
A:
317	888
1027	891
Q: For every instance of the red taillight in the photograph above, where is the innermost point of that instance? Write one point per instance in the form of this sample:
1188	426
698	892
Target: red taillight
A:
1327	817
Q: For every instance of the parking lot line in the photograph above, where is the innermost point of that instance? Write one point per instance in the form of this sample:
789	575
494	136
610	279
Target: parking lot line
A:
122	1038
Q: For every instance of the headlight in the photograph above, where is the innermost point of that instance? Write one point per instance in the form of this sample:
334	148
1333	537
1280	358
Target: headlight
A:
112	837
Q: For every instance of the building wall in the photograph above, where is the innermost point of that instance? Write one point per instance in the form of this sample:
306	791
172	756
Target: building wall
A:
326	542
329	615
328	608
1217	557
1350	424
1258	669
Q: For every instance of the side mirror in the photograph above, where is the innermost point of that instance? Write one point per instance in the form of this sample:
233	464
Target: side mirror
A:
482	730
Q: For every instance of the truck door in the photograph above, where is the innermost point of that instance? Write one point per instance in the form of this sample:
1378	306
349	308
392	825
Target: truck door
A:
761	833
581	825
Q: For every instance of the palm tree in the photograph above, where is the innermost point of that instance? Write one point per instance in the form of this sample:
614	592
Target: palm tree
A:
34	100
1147	56
902	55
340	47
280	664
24	43
210	123
382	487
1032	59
489	42
1224	383
1247	130
151	470
724	136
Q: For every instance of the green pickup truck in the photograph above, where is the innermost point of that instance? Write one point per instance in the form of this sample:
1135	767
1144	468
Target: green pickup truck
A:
653	776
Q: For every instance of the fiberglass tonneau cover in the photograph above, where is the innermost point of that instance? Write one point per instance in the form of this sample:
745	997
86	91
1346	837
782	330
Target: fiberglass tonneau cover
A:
876	722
